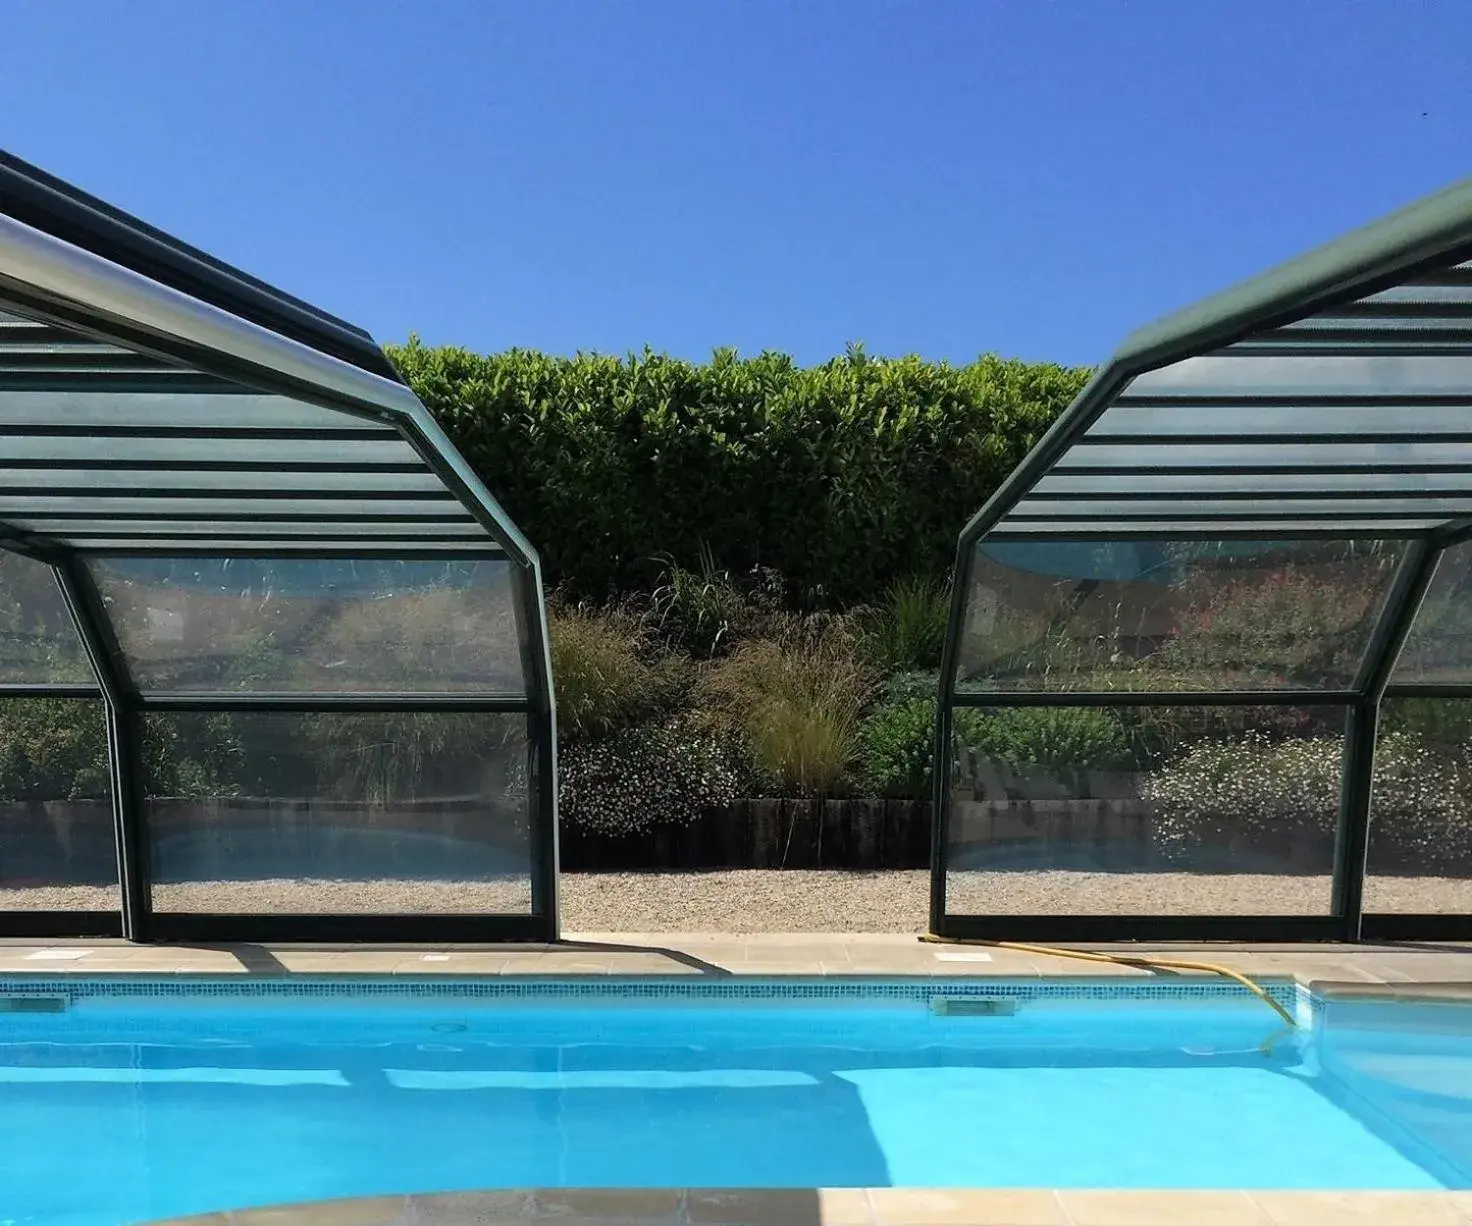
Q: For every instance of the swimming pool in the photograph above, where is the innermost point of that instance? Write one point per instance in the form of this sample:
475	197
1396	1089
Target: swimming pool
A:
129	1100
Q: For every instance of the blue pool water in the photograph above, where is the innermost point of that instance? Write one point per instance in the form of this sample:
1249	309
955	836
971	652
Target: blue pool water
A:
121	1108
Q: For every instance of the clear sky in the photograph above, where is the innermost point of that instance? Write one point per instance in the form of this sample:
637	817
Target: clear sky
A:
948	178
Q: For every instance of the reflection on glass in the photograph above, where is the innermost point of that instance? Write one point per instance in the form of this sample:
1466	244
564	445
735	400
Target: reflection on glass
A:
315	625
1144	810
1206	485
56	828
1438	650
1181	418
1420	857
405	812
1171	615
1258	457
1367	375
39	644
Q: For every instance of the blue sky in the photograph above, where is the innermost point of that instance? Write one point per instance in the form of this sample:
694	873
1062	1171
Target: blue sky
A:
947	178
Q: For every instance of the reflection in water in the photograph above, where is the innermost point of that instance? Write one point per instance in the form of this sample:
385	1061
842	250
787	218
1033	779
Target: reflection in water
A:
118	1112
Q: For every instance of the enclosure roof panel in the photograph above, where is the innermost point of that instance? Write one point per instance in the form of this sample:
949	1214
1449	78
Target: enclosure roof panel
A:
109	448
29	194
1379	255
153	398
1335	389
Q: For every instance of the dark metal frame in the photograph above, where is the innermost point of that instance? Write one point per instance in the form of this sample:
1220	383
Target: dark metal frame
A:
1420	241
1329	927
1402	602
69	923
125	706
45	924
124	740
178	303
1347	920
41	200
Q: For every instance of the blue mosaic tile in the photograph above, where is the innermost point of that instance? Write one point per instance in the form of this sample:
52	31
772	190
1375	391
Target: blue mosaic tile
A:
606	989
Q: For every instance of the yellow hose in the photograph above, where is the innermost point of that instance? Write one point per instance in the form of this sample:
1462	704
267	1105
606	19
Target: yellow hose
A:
1145	963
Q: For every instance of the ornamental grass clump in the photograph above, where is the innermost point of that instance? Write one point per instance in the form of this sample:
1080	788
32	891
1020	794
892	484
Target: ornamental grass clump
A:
795	699
402	640
698	611
906	630
605	679
397	756
637	779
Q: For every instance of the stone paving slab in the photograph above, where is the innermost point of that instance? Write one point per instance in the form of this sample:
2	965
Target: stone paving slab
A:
1377	968
868	1207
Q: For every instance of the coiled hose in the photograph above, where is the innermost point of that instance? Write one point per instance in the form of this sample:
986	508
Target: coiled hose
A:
1143	962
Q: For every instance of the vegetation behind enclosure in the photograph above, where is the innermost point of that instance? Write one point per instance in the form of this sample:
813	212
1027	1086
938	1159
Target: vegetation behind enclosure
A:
748	565
843	478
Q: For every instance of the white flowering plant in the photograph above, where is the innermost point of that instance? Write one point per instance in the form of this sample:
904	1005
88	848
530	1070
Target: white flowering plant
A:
1422	814
647	776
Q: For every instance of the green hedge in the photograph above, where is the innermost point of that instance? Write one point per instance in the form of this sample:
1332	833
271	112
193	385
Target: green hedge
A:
844	477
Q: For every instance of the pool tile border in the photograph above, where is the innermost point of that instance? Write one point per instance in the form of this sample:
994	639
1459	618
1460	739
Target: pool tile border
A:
898	987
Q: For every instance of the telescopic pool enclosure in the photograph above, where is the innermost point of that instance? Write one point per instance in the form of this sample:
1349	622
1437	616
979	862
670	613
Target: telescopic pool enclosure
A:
1208	671
273	661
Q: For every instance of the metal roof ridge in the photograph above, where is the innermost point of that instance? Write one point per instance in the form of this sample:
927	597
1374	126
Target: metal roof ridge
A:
41	200
1346	267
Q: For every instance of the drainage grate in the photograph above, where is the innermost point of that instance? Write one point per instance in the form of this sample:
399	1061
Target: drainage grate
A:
973	1006
33	1004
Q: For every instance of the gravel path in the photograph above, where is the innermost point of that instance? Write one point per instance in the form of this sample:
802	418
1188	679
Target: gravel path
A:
761	900
754	900
746	900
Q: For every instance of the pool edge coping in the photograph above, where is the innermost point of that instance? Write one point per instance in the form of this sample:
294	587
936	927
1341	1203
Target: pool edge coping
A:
864	1207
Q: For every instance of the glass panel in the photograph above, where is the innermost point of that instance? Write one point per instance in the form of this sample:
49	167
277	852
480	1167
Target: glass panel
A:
234	529
166	449
50	506
126	484
1254	456
1128	484
1422	331
1186	417
57	851
1364	376
39	645
281	546
1420	858
1171	615
1438	650
155	410
1412	292
100	425
1144	810
1081	529
339	813
315	625
1170	509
